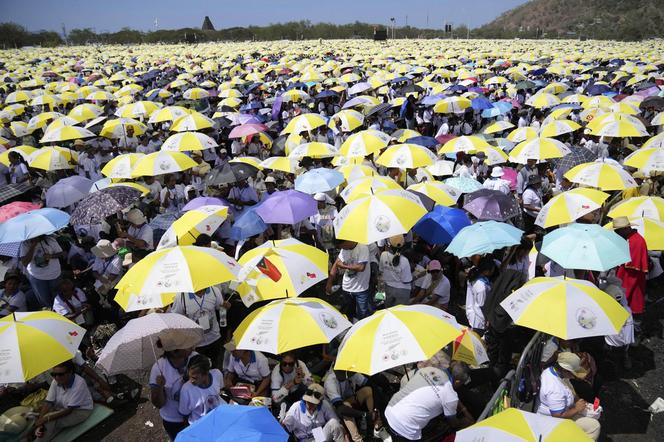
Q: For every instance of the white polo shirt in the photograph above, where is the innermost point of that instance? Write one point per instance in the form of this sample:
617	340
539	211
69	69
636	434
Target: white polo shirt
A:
256	370
202	310
554	395
301	423
428	394
75	395
280	379
398	276
173	378
196	401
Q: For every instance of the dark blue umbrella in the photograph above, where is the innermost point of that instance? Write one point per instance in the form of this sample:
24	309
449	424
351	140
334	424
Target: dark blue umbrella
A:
248	224
252	105
481	103
441	225
456	88
423	141
539	71
235	423
326	94
597	89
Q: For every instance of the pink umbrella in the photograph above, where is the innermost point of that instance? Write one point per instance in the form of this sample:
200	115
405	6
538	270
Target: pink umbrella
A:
16	208
509	174
246	130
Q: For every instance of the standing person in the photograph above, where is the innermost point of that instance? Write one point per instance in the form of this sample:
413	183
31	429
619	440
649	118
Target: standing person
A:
530	168
172	195
633	274
395	272
477	291
18	170
68	403
496	181
202	392
41	258
166	380
532	202
354	261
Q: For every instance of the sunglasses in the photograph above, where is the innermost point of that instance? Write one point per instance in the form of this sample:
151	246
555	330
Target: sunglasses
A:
288	364
313	393
56	374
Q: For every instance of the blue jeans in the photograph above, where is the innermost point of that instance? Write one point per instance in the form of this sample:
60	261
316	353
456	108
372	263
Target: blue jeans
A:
362	303
44	290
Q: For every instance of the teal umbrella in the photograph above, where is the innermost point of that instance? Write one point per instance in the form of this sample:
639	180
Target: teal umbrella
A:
464	184
484	237
586	247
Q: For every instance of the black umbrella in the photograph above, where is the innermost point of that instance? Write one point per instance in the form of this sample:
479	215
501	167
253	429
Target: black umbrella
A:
10	191
656	103
230	173
578	155
94	208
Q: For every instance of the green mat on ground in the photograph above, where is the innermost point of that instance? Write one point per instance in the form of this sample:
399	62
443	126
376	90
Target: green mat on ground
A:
99	413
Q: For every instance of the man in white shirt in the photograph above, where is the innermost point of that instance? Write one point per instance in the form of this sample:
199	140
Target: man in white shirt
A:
313	418
354	261
495	181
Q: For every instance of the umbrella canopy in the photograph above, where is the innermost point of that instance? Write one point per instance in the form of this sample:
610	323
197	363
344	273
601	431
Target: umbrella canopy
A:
484	237
68	191
318	180
248	224
640	206
513	425
650	229
586	247
290	324
464	184
363	143
287	207
487	204
395	336
121	166
441	225
161	163
230	173
227	423
33	224
9	211
372	218
602	175
98	205
439	192
133	347
569	206
578	155
203	201
538	149
52	159
313	150
648	160
565	308
185	231
367	186
34	342
406	156
188	141
131	301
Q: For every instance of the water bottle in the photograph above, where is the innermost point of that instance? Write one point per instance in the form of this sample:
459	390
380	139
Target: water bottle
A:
222	317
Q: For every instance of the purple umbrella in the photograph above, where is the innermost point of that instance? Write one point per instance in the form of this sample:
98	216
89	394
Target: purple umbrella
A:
204	201
287	207
486	204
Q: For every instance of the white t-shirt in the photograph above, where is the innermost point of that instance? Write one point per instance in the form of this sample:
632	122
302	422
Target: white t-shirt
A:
441	291
177	198
531	198
497	184
202	310
554	395
280	378
476	294
17	300
398	276
337	391
143	232
173	378
75	395
428	394
51	270
256	370
301	423
67	307
196	402
354	282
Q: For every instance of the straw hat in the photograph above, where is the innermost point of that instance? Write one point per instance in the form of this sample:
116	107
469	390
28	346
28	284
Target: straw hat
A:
621	222
104	249
572	363
135	216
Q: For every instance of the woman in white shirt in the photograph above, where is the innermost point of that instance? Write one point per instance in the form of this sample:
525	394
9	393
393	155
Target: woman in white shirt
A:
18	170
41	258
532	201
72	303
477	291
395	272
202	392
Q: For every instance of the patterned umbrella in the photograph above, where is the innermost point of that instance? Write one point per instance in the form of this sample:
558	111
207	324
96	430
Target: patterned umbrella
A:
98	205
487	204
10	191
579	155
16	208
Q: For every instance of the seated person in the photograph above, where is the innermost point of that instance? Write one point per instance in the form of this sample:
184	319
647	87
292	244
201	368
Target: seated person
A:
434	289
352	399
428	394
248	367
289	381
67	403
557	398
313	413
72	303
202	392
12	299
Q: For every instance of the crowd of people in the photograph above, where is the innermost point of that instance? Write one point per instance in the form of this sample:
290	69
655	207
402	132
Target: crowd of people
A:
74	271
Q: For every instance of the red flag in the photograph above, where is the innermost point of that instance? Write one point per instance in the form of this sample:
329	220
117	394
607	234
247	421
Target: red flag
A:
268	269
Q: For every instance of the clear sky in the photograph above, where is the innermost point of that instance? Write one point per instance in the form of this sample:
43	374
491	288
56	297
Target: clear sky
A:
111	15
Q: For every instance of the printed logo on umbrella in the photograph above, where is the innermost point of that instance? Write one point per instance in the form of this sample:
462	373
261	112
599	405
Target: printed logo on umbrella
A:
586	318
267	268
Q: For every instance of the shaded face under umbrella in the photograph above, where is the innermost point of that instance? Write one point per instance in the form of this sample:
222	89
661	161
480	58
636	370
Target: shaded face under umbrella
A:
94	208
230	173
486	204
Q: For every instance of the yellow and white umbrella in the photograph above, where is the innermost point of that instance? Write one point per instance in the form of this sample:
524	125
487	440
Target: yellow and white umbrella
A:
372	218
602	175
252	161
569	206
364	143
121	166
23	150
295	95
100	95
539	149
438	191
496	127
33	342
406	156
543	100
402	135
354	172
290	324
118	127
188	141
229	93
66	133
463	143
656	141
395	336
18	97
283	164
367	186
650	229
60	122
558	127
649	159
137	109
192	121
304	122
566	308
195	93
50	159
513	425
620	129
640	206
131	301
350	120
280	269
162	162
658	120
168	113
186	269
84	112
186	229
612	117
469	348
43	119
451	105
522	134
313	150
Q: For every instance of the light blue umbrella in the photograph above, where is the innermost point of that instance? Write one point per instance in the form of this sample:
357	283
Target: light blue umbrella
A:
464	184
318	180
484	237
32	224
248	224
586	247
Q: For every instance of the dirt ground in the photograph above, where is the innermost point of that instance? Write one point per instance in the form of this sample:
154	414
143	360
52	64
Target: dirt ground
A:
625	397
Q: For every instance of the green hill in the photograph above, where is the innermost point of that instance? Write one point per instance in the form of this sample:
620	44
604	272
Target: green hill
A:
600	19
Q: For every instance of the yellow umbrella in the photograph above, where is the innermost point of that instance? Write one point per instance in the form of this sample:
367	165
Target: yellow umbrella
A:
498	126
354	172
133	302
84	112
602	175
463	144
66	133
364	143
162	162
350	120
522	134
118	127
168	113
23	150
50	159
186	229
192	121
452	105
649	159
640	206
558	127
406	156
569	206
367	186
650	229
137	109
121	166
283	164
543	100
188	141
438	191
313	150
252	161
304	122
539	148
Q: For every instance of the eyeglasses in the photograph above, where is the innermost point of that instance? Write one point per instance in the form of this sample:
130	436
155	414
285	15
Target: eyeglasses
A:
56	374
287	364
313	393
